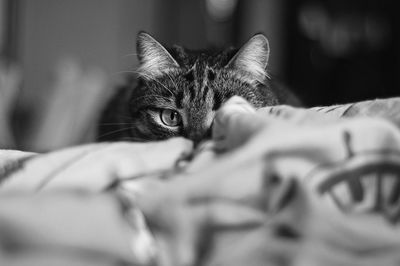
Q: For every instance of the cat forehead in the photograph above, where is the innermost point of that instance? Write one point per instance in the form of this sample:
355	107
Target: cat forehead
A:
189	58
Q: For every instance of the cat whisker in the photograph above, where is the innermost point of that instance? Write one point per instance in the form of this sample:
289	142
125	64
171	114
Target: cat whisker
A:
114	131
133	54
173	82
153	79
132	139
152	95
146	76
114	124
124	72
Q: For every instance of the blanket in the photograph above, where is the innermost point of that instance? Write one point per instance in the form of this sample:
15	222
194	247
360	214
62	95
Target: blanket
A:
275	186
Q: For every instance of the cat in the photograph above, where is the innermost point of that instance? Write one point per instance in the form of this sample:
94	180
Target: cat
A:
176	91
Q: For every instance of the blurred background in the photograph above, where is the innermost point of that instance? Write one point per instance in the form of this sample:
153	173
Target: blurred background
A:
61	59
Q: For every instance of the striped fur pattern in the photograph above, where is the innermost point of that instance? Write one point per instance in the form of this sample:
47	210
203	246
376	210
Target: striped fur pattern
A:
177	91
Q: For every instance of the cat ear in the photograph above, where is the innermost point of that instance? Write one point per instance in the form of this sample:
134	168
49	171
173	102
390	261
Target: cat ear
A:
153	57
252	58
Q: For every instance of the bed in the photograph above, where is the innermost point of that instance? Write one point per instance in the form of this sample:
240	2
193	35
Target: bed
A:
275	186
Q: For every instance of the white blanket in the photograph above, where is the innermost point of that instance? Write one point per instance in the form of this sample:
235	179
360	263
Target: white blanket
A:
275	186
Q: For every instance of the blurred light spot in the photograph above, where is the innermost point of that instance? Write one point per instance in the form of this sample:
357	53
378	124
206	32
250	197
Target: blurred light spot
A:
313	20
221	9
342	34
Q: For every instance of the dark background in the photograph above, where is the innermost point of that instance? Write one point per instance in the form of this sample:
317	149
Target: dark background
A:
327	51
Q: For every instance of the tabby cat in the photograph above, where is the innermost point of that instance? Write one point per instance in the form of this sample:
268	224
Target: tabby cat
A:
176	91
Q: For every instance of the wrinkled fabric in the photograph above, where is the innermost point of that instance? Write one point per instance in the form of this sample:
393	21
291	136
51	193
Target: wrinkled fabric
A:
328	190
275	186
60	208
63	229
94	167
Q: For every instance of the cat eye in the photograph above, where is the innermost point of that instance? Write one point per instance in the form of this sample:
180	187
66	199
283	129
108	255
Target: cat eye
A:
170	118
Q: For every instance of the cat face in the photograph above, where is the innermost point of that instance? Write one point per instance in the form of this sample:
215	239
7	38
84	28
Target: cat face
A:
179	90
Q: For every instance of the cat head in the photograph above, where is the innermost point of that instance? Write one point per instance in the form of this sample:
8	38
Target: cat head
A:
179	89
